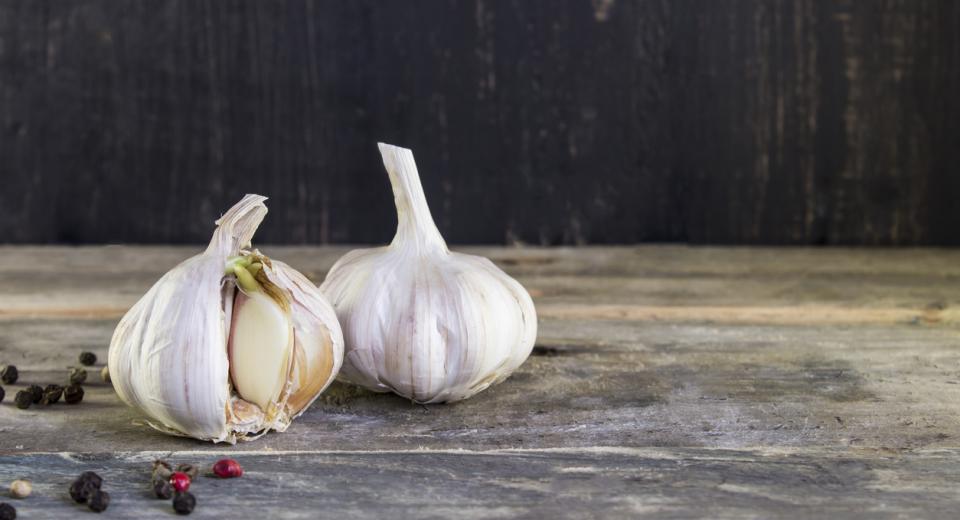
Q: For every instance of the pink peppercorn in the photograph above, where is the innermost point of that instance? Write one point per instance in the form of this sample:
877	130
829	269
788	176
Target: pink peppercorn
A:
180	481
227	468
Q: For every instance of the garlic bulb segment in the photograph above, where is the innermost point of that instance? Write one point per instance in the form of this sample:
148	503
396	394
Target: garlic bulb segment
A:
229	344
419	320
261	340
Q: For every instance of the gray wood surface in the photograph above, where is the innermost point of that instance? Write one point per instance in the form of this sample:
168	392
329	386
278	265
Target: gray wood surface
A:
666	382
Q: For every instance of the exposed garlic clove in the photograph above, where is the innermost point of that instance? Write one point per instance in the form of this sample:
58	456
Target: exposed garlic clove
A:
261	343
221	344
418	320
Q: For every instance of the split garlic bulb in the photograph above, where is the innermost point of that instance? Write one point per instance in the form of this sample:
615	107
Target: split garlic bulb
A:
229	344
419	320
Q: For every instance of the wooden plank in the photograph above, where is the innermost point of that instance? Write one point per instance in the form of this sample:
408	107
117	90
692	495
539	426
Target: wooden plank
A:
840	372
637	384
900	285
557	483
666	382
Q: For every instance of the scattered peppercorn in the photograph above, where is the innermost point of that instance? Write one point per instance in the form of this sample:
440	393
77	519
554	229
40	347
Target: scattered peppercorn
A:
77	376
9	374
180	481
51	394
3	393
20	488
7	512
183	503
73	394
189	469
88	358
227	468
162	489
36	392
23	399
105	374
98	501
91	477
80	490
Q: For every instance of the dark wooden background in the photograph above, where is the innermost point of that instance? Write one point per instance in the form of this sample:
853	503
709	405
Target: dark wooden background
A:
536	121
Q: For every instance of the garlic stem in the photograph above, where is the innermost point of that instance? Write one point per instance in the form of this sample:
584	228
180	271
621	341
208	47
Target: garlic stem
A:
415	225
236	227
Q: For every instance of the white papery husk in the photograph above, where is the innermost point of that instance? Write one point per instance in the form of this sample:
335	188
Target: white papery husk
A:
419	320
168	356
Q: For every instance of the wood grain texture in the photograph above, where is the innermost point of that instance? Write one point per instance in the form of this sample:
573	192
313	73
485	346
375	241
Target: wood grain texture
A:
578	483
543	122
671	382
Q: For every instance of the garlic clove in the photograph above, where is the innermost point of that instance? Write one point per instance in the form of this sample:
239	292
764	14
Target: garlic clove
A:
229	344
418	320
261	341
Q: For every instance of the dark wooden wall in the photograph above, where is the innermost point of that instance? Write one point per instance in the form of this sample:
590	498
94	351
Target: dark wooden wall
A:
538	121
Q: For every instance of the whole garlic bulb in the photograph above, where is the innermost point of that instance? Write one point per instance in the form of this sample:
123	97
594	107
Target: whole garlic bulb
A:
229	344
419	320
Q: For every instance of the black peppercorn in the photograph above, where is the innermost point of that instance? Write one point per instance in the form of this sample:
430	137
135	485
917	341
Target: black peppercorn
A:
88	358
98	500
51	394
80	490
9	374
7	512
3	393
37	392
23	399
77	376
162	489
184	503
73	394
91	477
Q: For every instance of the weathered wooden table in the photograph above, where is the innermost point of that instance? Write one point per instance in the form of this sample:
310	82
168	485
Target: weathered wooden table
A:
666	382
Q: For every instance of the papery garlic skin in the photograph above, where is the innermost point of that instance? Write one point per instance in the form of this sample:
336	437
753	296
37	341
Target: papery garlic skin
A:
419	320
319	347
159	358
169	355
